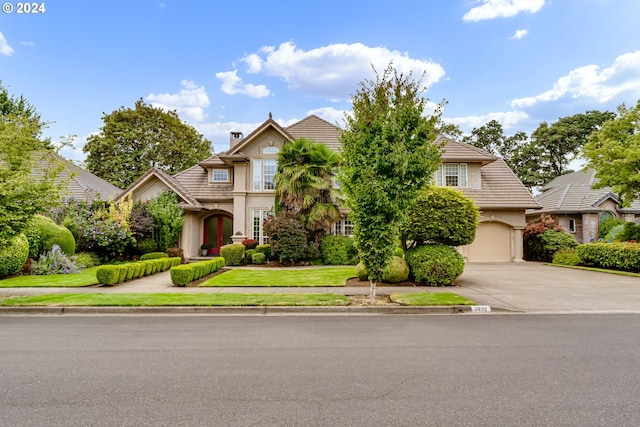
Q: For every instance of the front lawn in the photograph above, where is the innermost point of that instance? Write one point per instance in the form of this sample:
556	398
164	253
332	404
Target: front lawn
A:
159	300
86	277
427	298
278	277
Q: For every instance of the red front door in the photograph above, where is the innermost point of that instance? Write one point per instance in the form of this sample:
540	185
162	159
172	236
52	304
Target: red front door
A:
217	232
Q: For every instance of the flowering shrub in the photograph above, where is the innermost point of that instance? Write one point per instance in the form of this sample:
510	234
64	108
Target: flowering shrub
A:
54	262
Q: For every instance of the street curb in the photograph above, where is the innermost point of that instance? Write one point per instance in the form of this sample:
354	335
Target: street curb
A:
253	310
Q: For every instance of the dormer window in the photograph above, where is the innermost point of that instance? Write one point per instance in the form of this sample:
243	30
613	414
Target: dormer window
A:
452	175
220	175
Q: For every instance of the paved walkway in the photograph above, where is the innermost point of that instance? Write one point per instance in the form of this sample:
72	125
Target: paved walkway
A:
519	287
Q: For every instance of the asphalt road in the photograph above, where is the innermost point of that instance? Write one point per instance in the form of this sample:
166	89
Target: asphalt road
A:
498	370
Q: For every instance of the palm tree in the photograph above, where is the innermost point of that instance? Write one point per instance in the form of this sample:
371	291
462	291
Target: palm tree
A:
304	184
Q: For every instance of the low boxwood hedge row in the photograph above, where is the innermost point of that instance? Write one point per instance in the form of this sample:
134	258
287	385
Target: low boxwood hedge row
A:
153	255
114	274
182	275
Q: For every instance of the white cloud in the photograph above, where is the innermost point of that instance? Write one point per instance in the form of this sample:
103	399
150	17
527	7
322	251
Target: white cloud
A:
589	82
509	120
519	34
254	63
330	114
491	9
334	71
189	102
232	85
5	49
218	132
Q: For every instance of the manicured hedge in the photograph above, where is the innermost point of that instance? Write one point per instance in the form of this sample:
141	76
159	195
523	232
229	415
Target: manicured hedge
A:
114	274
623	256
264	249
232	253
184	274
154	255
395	272
435	265
14	255
258	258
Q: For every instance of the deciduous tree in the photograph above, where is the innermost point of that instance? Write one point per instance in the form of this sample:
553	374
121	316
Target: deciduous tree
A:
389	156
134	139
614	152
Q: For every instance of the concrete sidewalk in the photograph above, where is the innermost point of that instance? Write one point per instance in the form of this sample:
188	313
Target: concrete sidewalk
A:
517	287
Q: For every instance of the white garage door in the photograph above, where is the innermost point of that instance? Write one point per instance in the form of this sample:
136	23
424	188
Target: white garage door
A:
492	243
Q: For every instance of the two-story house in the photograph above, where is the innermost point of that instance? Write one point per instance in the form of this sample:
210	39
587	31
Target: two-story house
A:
227	196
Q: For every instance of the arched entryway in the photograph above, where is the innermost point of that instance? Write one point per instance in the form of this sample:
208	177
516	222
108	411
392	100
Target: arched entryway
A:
217	232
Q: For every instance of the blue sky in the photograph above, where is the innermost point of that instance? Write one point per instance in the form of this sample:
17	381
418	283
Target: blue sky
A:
224	65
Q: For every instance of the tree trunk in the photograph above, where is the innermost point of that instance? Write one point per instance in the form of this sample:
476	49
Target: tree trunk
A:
372	290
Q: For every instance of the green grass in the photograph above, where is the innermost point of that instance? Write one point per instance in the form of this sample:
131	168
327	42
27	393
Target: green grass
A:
157	300
277	277
86	277
599	270
427	298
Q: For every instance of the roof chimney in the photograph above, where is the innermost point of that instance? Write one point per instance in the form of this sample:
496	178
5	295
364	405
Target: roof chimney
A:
235	137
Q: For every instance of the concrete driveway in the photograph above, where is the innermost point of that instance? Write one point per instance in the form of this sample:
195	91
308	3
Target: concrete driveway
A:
536	287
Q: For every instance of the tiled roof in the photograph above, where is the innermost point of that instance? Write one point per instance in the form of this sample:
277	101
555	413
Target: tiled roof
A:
573	193
81	184
318	130
460	152
582	177
195	180
170	181
501	188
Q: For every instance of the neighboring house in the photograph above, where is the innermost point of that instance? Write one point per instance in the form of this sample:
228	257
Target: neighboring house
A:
79	184
227	196
578	207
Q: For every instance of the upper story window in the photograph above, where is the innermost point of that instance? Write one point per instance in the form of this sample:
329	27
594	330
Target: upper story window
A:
264	173
264	170
220	175
452	175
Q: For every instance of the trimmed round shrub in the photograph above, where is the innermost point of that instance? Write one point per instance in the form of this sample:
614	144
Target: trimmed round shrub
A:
435	265
14	255
107	274
553	241
442	215
250	243
258	258
568	256
398	252
153	255
361	271
248	254
338	250
181	275
51	234
264	249
395	272
232	253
